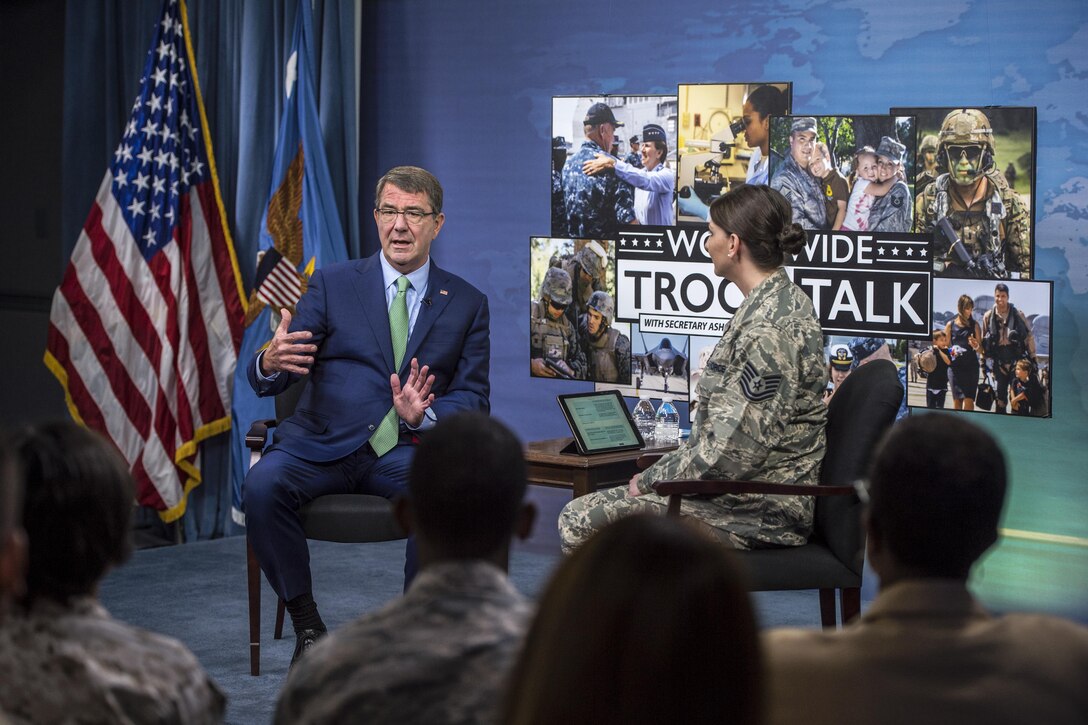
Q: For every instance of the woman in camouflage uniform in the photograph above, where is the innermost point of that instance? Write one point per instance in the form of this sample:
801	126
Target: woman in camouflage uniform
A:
759	413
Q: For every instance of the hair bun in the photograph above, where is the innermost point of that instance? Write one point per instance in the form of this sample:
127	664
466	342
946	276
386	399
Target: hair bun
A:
791	238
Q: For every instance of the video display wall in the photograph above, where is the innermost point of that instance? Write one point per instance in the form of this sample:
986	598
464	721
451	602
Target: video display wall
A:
920	241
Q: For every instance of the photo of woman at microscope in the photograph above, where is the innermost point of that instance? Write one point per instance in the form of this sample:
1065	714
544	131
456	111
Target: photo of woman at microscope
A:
723	139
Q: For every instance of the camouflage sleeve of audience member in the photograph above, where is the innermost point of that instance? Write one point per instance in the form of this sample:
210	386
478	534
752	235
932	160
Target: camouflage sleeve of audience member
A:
752	396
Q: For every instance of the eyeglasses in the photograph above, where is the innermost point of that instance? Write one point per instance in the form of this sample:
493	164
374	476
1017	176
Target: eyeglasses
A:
973	152
414	217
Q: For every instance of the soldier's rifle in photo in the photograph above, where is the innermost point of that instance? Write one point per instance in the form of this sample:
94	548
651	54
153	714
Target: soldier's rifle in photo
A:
984	265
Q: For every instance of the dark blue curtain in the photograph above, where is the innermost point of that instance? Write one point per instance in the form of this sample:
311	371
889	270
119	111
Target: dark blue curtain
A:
240	48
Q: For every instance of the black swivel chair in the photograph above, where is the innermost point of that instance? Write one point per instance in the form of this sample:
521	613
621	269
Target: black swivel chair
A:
345	518
862	409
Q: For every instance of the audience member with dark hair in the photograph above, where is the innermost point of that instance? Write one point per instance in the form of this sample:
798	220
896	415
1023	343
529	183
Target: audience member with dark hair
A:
62	657
926	651
440	653
12	538
759	402
648	622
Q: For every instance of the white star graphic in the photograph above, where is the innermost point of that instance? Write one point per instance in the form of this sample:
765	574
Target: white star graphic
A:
170	215
173	79
922	252
149	129
141	181
144	156
169	107
197	167
161	158
155	103
166	134
880	250
659	243
155	212
120	179
118	153
162	49
646	243
167	23
159	75
130	129
173	162
150	237
895	251
158	184
136	207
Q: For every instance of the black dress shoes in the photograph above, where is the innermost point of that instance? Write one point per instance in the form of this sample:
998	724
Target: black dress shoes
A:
304	641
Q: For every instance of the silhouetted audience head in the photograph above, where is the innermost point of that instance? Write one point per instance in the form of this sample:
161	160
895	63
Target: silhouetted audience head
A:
12	540
466	489
936	489
79	499
646	622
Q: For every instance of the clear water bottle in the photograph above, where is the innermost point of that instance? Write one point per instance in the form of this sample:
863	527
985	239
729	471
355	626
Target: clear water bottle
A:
667	428
645	418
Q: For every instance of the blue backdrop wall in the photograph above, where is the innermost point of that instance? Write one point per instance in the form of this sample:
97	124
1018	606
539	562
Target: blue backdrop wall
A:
464	89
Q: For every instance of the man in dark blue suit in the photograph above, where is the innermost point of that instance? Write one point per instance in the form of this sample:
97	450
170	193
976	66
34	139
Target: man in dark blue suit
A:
354	428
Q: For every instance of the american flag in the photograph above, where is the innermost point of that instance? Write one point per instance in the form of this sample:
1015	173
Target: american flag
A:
145	327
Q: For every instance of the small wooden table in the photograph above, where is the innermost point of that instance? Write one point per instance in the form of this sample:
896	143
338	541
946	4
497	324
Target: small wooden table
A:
584	474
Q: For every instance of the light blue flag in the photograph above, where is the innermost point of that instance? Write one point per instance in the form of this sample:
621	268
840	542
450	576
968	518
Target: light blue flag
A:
300	232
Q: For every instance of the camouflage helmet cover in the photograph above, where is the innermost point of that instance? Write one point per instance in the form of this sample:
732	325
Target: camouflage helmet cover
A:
967	126
556	286
929	143
602	302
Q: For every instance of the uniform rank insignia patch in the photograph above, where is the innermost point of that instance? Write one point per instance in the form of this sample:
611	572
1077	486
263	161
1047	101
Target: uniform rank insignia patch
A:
756	387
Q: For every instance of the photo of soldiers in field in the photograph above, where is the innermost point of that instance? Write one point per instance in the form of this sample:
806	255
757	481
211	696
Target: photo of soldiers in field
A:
573	334
975	195
845	172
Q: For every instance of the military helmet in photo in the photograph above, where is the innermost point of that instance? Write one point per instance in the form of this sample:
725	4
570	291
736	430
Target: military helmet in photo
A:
929	143
602	302
967	127
556	286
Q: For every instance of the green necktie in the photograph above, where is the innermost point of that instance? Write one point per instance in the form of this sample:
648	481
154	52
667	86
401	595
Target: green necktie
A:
385	437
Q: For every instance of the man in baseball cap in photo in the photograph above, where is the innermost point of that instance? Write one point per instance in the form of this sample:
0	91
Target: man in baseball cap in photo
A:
596	205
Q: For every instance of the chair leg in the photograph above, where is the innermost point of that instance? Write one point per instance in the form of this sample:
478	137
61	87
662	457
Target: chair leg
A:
253	576
850	599
279	617
827	608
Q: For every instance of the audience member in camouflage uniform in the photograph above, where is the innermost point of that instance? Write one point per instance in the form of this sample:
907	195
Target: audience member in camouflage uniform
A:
553	344
892	212
596	204
608	351
62	657
640	625
440	654
794	181
760	413
989	217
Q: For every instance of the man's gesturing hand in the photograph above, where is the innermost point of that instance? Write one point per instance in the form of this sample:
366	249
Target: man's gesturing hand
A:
415	396
288	352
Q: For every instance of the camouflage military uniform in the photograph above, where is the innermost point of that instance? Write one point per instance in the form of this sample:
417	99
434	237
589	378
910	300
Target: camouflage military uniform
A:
75	663
760	416
595	204
554	339
634	159
559	210
803	193
1001	209
892	212
439	654
608	358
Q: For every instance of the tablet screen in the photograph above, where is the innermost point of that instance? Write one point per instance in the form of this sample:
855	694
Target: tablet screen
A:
600	422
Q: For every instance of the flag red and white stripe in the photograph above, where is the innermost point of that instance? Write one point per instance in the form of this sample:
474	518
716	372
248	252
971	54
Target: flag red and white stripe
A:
145	327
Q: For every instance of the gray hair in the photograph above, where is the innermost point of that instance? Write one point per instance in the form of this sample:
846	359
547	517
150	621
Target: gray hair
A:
414	180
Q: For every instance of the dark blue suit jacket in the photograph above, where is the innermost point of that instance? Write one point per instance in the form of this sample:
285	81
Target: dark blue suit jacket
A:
348	393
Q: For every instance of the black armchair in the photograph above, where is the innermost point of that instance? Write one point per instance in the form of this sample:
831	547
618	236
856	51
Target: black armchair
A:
859	413
345	518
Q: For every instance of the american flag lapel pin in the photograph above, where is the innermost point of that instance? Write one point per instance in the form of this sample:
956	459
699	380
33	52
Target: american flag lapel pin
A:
443	292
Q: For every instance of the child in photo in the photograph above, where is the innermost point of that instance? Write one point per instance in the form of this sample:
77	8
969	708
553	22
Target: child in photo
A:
937	382
866	189
1027	394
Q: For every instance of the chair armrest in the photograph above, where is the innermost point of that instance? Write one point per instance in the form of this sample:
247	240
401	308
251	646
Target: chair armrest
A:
717	487
258	434
647	459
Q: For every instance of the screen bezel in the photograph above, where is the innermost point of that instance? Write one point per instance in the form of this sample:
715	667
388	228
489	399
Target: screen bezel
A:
579	436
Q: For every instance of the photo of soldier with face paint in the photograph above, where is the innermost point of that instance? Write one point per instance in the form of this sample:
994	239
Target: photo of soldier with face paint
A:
983	225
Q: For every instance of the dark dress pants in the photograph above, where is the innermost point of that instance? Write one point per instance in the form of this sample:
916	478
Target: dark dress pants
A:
280	484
